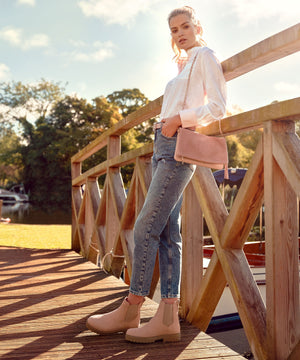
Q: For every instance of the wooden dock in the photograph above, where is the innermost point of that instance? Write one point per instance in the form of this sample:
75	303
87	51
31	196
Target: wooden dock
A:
46	297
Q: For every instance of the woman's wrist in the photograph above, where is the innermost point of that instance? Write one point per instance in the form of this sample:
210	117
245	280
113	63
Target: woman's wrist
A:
178	120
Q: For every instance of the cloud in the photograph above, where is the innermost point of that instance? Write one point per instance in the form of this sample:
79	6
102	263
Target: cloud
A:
11	35
27	2
4	72
285	87
37	40
15	37
251	11
115	11
94	53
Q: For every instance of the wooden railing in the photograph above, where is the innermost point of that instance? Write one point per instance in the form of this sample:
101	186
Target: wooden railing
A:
103	220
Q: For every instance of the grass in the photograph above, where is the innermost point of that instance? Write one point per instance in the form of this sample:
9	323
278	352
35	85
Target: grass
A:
36	236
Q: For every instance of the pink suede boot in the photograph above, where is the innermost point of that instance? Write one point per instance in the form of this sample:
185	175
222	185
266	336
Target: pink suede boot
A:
163	326
124	317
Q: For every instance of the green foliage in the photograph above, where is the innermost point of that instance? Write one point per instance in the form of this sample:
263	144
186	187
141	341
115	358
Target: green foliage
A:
239	156
23	100
10	159
128	101
241	148
52	141
298	128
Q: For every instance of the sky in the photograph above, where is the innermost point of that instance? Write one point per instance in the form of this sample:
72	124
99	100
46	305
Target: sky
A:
96	47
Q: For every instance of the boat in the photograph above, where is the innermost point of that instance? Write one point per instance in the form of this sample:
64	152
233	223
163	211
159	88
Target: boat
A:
13	195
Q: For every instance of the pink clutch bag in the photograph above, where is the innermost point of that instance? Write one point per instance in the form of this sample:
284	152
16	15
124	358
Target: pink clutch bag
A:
203	150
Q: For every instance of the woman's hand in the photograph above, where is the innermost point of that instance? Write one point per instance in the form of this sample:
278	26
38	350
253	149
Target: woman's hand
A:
171	125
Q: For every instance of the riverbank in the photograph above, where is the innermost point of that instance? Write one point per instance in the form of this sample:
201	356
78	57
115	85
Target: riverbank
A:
36	236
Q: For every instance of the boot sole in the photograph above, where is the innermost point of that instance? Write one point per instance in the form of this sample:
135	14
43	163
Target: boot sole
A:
146	340
95	330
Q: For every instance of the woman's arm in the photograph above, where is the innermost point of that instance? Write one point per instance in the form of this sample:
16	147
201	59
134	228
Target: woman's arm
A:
209	68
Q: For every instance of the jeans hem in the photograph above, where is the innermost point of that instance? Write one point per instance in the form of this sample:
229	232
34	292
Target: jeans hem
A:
138	293
170	296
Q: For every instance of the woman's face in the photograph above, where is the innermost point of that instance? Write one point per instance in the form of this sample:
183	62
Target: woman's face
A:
183	32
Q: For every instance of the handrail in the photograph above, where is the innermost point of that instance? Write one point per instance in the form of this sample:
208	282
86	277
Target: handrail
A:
281	111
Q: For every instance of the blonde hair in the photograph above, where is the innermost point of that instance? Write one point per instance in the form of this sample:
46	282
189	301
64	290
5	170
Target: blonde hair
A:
190	12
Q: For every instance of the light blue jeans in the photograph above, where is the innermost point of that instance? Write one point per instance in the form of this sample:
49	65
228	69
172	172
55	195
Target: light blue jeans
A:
157	227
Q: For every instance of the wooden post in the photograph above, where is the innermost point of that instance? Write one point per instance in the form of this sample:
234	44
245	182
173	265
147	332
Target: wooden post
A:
112	221
76	201
282	277
192	249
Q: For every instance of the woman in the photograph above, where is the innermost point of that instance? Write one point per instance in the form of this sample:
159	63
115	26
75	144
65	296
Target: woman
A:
158	225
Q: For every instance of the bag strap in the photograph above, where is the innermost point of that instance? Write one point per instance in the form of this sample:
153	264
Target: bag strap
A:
187	88
226	175
188	82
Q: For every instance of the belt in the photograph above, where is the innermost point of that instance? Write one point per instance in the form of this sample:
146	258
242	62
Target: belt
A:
158	125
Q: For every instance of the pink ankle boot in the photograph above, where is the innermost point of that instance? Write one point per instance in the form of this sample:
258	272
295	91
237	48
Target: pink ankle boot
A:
124	317
163	326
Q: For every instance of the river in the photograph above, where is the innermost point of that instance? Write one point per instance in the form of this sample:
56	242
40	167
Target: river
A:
25	213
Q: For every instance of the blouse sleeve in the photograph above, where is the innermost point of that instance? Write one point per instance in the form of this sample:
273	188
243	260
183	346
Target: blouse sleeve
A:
210	70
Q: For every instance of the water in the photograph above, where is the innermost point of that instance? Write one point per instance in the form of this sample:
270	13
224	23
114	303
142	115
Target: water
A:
25	213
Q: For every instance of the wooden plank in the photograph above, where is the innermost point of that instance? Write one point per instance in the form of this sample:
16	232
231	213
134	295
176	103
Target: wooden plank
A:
119	198
112	219
295	355
76	169
145	113
114	207
282	273
93	254
237	273
286	150
118	161
89	214
273	48
45	307
206	300
249	120
76	202
247	298
280	111
192	249
215	213
246	204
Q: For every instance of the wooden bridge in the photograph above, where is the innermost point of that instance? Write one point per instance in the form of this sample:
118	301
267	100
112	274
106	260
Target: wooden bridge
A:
103	220
46	297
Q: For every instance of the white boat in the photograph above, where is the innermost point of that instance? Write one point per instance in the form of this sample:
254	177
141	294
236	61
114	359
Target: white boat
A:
13	195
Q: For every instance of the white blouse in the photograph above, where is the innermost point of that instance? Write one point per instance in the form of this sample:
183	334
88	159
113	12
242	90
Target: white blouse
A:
206	96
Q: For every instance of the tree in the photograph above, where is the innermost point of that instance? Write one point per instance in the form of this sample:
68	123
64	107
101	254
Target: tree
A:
241	147
238	155
52	140
29	101
10	159
128	101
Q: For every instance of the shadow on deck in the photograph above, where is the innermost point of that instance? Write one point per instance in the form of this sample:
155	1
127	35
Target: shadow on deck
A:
46	297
